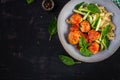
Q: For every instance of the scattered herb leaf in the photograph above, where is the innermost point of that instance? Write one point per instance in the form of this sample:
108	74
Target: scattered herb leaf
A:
105	31
85	52
79	5
104	39
52	28
93	8
29	1
83	44
105	42
67	60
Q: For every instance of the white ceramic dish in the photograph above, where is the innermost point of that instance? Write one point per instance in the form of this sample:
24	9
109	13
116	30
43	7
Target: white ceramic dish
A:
62	28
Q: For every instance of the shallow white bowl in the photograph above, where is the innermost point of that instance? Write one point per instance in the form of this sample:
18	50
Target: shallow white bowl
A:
62	28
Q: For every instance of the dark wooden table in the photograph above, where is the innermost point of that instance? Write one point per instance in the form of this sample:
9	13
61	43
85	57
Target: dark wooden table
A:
26	53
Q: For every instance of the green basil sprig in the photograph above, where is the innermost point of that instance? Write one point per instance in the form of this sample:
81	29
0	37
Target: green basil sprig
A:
52	28
83	44
29	1
67	60
104	41
93	8
79	5
86	9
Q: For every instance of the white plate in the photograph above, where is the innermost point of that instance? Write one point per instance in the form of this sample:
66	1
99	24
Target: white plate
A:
62	28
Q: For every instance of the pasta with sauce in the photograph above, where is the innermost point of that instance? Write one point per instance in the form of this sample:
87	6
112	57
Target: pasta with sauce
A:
91	29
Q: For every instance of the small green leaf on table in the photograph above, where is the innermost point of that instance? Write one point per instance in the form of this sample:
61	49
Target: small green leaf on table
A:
67	60
52	28
29	1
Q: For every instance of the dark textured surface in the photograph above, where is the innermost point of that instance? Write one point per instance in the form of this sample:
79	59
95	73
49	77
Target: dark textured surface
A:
26	53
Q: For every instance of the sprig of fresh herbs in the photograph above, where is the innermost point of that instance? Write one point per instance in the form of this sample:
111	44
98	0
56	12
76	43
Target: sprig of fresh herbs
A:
79	5
29	1
105	31
104	41
93	8
83	44
67	60
52	28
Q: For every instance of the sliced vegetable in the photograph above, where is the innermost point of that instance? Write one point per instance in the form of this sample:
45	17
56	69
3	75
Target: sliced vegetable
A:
101	46
96	24
84	10
85	17
105	31
80	12
89	18
94	17
104	42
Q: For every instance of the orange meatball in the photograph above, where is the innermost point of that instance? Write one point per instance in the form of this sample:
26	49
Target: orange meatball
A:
73	37
74	28
93	35
85	26
94	47
76	18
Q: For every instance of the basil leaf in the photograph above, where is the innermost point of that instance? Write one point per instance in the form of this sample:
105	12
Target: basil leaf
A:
85	52
67	60
29	1
52	28
78	5
105	31
93	8
104	39
83	43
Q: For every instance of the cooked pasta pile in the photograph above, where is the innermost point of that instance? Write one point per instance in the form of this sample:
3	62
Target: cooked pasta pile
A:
106	17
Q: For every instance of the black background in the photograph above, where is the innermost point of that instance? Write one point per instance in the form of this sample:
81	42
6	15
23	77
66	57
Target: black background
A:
26	53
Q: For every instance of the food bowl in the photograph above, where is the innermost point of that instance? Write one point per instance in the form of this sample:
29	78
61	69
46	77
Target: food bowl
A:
63	27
